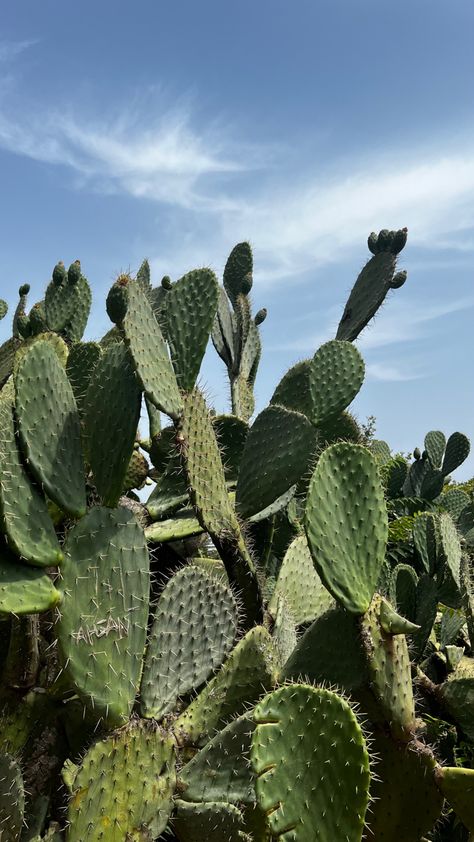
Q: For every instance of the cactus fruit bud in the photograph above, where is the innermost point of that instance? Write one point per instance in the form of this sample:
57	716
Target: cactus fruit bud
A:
417	453
399	279
166	282
74	272
24	289
23	325
261	316
384	240
59	273
372	242
117	299
399	240
3	308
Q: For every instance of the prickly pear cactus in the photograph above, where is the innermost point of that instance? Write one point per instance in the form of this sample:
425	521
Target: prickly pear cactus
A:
221	626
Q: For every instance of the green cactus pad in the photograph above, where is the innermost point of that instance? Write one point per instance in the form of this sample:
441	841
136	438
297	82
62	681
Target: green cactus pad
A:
150	355
406	801
231	433
435	443
24	590
102	625
37	318
184	524
425	540
144	276
457	695
137	471
345	497
221	770
284	631
403	590
367	295
330	651
59	303
239	265
76	323
223	330
12	799
190	310
49	427
198	445
393	475
169	494
390	671
300	585
449	561
310	736
27	524
457	786
454	501
81	362
248	672
112	411
213	822
7	355
193	631
381	450
124	787
336	375
3	309
457	450
277	451
251	353
293	390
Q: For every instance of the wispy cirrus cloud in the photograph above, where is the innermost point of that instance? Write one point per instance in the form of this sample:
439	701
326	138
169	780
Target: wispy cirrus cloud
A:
10	50
298	220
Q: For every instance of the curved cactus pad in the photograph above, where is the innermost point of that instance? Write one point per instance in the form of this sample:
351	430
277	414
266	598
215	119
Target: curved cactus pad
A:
345	499
300	585
150	354
102	627
221	770
124	787
112	411
213	821
336	375
276	455
310	735
248	672
191	306
26	520
50	432
457	786
193	630
24	590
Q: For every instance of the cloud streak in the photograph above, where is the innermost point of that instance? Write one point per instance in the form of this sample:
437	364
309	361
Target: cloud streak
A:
298	222
10	50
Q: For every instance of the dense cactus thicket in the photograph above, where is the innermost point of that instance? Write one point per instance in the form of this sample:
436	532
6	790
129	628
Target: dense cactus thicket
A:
279	642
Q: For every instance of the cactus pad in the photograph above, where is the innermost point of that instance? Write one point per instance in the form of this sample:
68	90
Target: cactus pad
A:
277	451
112	411
49	427
345	497
123	788
12	799
336	375
312	736
193	631
214	822
26	521
300	585
190	310
102	625
457	786
150	354
247	673
81	362
24	590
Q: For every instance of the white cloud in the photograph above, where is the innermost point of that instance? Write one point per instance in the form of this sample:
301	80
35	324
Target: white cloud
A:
9	50
392	373
297	221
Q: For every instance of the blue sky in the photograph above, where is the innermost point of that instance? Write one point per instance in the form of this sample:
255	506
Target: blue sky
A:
173	131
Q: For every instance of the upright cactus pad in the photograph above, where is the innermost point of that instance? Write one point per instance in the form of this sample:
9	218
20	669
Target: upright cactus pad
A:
345	498
300	585
112	411
150	354
277	451
312	736
49	426
213	822
12	799
237	270
193	631
81	362
335	377
103	617
124	786
190	310
24	512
